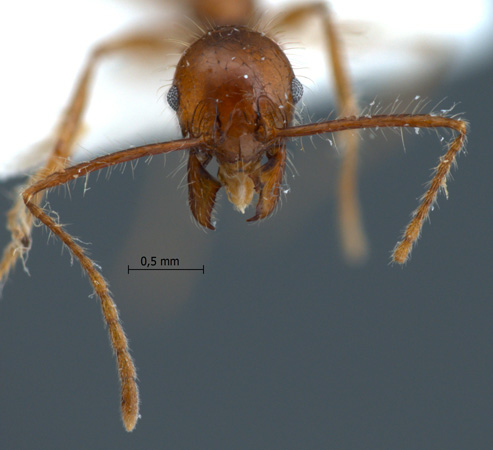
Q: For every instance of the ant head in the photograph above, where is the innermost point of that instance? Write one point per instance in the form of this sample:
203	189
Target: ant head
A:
234	87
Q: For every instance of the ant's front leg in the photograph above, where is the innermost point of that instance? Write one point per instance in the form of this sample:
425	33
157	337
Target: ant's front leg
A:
20	222
351	230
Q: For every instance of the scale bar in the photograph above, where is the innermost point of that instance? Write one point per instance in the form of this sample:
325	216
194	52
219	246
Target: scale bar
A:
164	268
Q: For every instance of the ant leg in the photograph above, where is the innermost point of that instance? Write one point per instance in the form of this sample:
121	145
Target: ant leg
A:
126	367
403	248
352	234
19	221
351	229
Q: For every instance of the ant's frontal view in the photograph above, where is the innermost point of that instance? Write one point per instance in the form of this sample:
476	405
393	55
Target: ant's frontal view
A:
234	93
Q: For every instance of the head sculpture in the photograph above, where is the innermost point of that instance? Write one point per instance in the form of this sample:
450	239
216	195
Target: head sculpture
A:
233	87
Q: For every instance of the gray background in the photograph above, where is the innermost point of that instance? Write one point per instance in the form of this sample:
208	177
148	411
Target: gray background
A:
279	344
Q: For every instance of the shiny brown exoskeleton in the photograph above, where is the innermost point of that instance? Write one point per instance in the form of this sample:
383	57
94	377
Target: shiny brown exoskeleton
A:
233	87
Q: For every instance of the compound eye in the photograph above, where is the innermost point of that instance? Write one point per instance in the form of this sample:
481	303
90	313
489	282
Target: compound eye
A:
296	90
173	98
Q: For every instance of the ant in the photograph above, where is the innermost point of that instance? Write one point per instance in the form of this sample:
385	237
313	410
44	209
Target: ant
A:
234	92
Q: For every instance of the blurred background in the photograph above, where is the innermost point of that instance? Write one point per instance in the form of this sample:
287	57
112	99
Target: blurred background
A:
279	344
